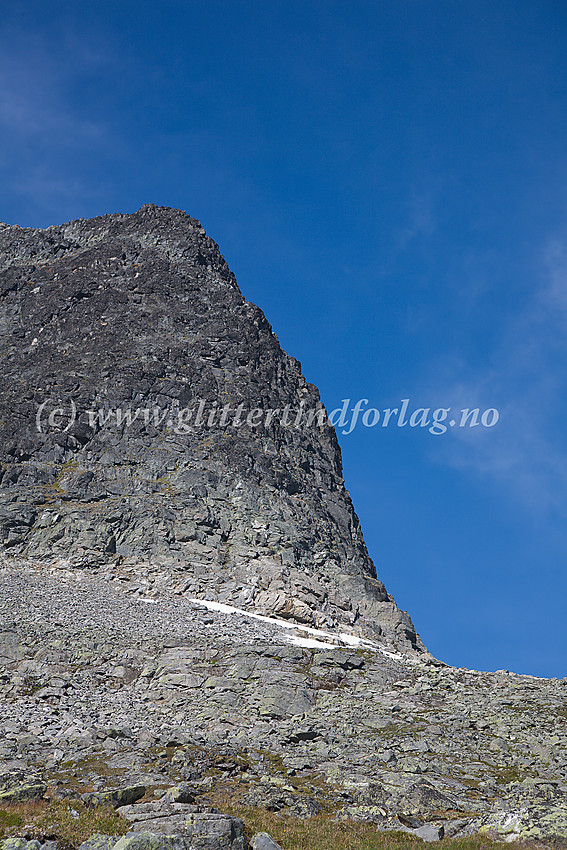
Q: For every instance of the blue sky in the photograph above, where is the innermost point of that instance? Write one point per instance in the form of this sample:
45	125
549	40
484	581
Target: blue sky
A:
387	180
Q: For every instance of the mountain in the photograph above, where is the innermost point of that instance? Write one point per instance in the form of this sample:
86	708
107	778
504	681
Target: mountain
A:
186	598
139	317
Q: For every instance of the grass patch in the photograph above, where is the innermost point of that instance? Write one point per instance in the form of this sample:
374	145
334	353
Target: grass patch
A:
510	774
9	820
321	833
68	771
70	821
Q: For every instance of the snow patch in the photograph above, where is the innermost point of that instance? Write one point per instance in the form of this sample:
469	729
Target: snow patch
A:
320	639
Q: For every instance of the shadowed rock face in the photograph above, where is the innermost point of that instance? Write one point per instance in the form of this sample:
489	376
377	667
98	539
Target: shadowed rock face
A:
141	313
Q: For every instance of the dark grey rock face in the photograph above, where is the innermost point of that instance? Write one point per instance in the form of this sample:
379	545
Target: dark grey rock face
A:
140	314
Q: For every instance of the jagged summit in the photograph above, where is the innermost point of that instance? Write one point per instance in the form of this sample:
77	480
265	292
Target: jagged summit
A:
116	331
158	227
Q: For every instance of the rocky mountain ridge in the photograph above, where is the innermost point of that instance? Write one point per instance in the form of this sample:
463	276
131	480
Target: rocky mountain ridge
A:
140	312
193	605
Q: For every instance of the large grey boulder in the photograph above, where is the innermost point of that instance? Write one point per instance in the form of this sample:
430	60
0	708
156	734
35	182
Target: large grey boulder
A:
99	842
32	789
213	839
204	831
203	825
19	844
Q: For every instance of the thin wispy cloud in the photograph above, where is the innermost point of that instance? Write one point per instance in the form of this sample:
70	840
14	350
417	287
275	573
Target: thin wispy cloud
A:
45	136
554	291
34	102
421	220
526	452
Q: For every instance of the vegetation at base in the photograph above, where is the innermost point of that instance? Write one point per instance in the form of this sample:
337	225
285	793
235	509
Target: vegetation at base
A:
69	821
322	833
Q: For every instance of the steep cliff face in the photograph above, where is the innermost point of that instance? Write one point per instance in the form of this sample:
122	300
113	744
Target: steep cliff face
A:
135	393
